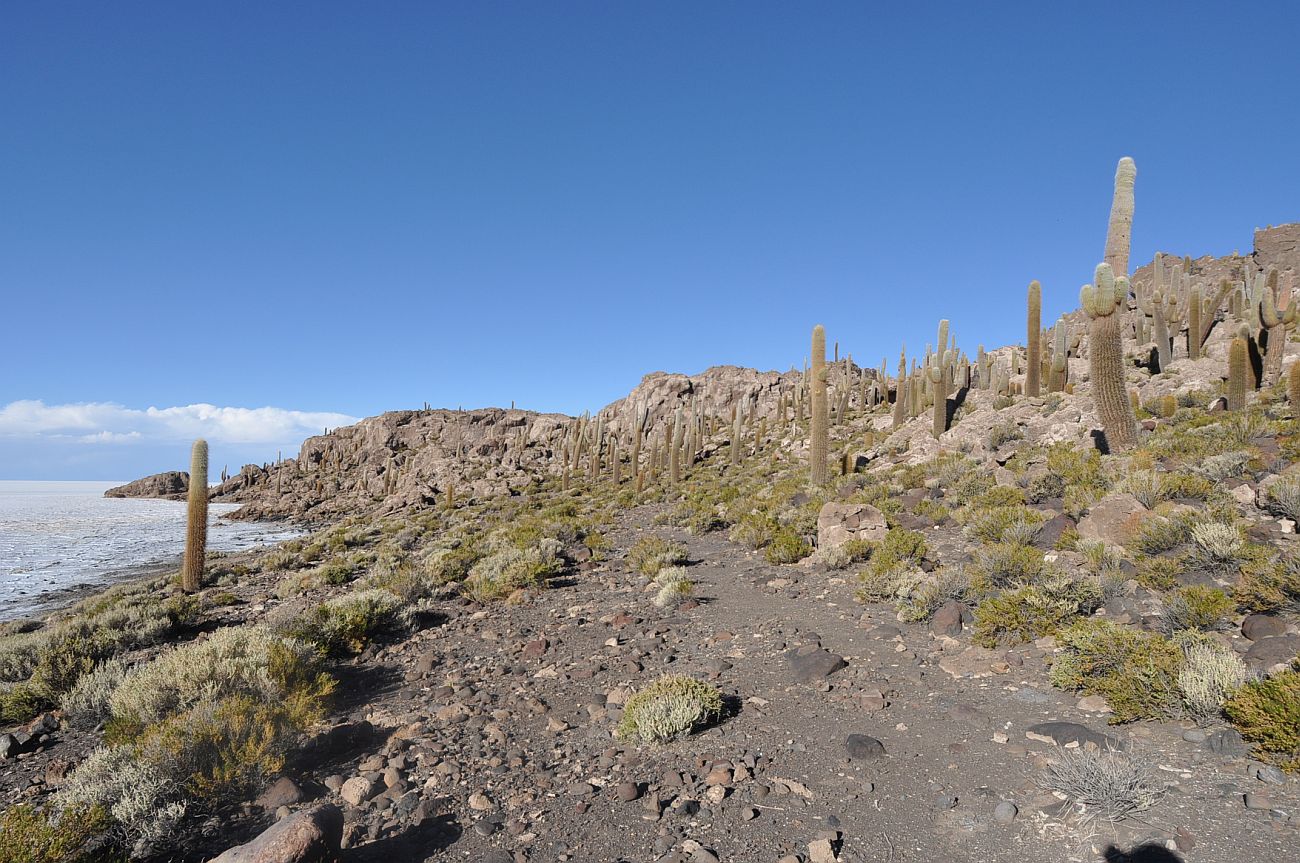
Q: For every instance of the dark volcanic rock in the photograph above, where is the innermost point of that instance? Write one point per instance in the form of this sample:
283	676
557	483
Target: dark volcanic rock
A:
864	747
813	663
172	485
310	836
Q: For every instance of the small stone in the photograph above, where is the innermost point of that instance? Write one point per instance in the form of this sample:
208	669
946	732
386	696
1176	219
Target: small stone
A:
749	813
357	790
1257	626
944	802
1227	743
1093	704
863	747
1270	775
1256	800
950	617
627	791
1194	735
581	789
1005	812
283	792
820	851
480	802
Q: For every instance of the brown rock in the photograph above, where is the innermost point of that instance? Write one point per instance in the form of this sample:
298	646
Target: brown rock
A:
837	523
1114	519
310	836
171	485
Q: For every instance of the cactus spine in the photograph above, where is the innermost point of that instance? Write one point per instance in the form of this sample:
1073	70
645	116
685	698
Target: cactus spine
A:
819	433
1101	301
1119	231
1238	363
1033	340
196	528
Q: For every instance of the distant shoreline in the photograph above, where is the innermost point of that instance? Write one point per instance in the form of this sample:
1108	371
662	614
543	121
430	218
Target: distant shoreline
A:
61	599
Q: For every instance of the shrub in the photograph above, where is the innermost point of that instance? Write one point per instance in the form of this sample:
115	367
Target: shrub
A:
1283	497
652	553
1160	534
232	661
1269	584
1004	432
144	796
1017	525
671	707
674	585
1048	486
1209	674
1218	546
1188	486
451	565
1267	713
1217	468
1136	672
1005	565
347	624
920	601
29	836
87	703
1033	611
1104	784
1159	573
1196	608
834	556
787	546
1145	486
500	574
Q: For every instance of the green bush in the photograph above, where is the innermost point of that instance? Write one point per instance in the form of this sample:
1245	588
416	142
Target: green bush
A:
649	554
29	836
1267	713
671	707
1003	565
347	624
1033	611
786	546
1210	672
1268	584
1196	608
1136	672
500	574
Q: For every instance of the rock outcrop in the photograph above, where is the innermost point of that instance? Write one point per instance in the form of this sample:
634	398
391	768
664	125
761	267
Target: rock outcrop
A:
171	485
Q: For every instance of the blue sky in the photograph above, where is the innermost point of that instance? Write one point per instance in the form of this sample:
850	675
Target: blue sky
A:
332	209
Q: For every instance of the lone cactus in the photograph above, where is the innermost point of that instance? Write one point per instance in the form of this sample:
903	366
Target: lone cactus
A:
1278	315
1101	301
1033	341
196	530
819	444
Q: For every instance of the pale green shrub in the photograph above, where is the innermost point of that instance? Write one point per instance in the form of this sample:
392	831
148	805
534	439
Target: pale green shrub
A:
1219	546
671	707
1209	675
87	703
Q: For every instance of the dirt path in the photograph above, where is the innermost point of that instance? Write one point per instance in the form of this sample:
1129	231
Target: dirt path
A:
496	735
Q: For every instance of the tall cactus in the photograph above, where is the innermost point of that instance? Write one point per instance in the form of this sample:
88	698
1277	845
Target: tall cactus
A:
1060	353
1277	313
1119	232
1238	371
1293	385
900	391
820	442
940	376
1033	340
1102	301
196	528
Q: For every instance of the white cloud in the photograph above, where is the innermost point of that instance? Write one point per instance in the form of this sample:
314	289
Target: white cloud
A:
107	422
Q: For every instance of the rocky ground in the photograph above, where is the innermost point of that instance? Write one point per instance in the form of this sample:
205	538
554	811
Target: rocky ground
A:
488	735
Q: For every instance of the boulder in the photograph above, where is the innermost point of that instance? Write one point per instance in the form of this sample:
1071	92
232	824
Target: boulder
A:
837	523
310	836
170	485
1257	626
863	747
1272	651
1068	733
283	792
1114	519
949	620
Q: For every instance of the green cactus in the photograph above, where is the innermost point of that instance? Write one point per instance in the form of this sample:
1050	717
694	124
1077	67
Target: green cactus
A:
820	435
1293	385
900	391
1278	315
940	375
196	528
1033	340
736	420
1238	371
1101	301
1060	353
1119	231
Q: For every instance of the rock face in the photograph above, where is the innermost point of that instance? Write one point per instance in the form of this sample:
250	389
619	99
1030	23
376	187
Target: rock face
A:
310	836
837	523
172	485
